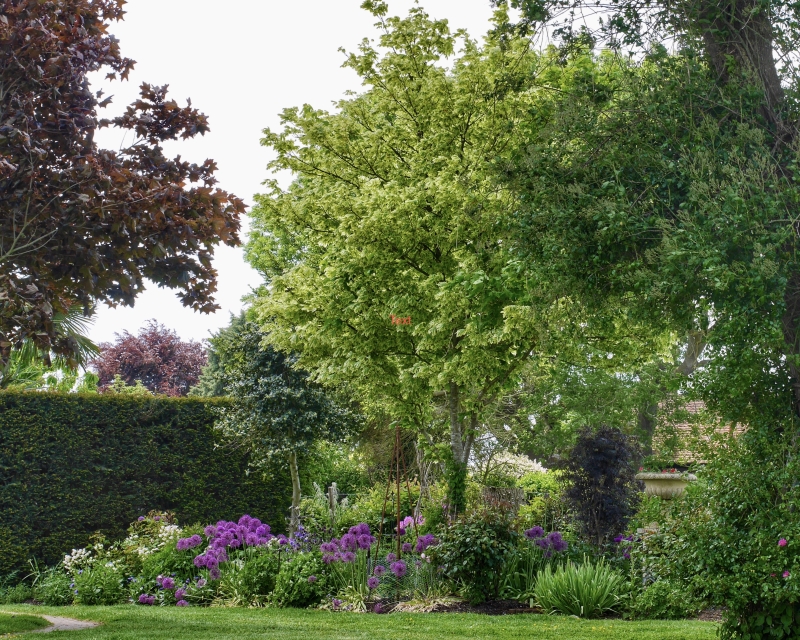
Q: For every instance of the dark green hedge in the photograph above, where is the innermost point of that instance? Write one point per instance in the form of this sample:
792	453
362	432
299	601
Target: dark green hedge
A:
71	465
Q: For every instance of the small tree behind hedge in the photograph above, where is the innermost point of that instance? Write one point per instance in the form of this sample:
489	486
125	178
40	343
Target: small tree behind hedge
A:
603	491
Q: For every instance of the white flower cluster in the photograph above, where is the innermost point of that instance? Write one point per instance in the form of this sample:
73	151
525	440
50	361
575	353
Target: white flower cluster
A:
169	531
78	559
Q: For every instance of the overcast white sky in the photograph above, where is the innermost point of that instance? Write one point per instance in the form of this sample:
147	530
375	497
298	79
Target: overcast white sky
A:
241	62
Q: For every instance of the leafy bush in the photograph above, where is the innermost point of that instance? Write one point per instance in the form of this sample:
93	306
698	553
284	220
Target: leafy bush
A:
301	581
100	585
54	589
473	552
74	464
17	594
588	590
734	536
665	600
602	491
251	579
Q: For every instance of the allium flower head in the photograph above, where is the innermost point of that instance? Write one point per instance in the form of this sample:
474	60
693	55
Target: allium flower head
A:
337	603
179	593
373	583
534	533
365	541
141	519
379	570
390	557
312	579
348	556
181	603
348	542
168	584
143	598
399	568
201	582
407	547
214	574
378	608
782	542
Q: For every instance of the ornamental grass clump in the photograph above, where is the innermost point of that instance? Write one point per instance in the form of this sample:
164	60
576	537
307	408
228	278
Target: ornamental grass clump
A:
587	590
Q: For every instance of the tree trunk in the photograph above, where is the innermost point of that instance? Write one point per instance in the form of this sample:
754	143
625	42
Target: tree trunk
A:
294	518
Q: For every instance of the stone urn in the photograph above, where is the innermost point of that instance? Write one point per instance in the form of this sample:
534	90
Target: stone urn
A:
665	485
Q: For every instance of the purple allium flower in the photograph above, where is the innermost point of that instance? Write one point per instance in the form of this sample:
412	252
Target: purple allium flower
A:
542	543
379	570
391	557
263	530
235	543
327	558
348	556
373	583
151	600
168	584
210	531
156	518
328	547
535	532
423	542
406	547
337	557
214	574
312	579
141	518
782	542
348	542
417	563
337	603
365	541
181	603
179	593
399	568
201	582
143	598
378	608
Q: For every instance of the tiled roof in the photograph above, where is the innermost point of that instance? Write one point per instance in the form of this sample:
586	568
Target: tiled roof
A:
685	432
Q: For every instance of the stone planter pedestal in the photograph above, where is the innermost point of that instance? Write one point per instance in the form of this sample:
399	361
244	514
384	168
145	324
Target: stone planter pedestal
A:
665	485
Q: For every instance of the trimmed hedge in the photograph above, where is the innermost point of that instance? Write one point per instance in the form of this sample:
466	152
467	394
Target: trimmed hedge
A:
75	464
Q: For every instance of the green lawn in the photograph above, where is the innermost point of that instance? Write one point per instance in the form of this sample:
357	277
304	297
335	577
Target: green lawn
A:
17	624
160	623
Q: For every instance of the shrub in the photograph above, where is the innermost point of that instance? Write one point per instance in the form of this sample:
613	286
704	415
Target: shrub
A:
665	600
602	491
100	585
74	464
54	589
473	551
301	581
587	590
251	580
17	594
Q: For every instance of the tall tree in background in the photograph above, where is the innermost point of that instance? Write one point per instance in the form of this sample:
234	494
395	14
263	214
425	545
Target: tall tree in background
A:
157	357
397	212
80	224
278	412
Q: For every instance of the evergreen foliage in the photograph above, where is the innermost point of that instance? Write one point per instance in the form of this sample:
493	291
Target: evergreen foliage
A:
75	464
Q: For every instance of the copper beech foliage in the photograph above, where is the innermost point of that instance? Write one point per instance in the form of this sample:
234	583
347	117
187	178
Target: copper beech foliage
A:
80	224
157	356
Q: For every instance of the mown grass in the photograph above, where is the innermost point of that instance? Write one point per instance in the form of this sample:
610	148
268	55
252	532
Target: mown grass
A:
19	623
130	622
